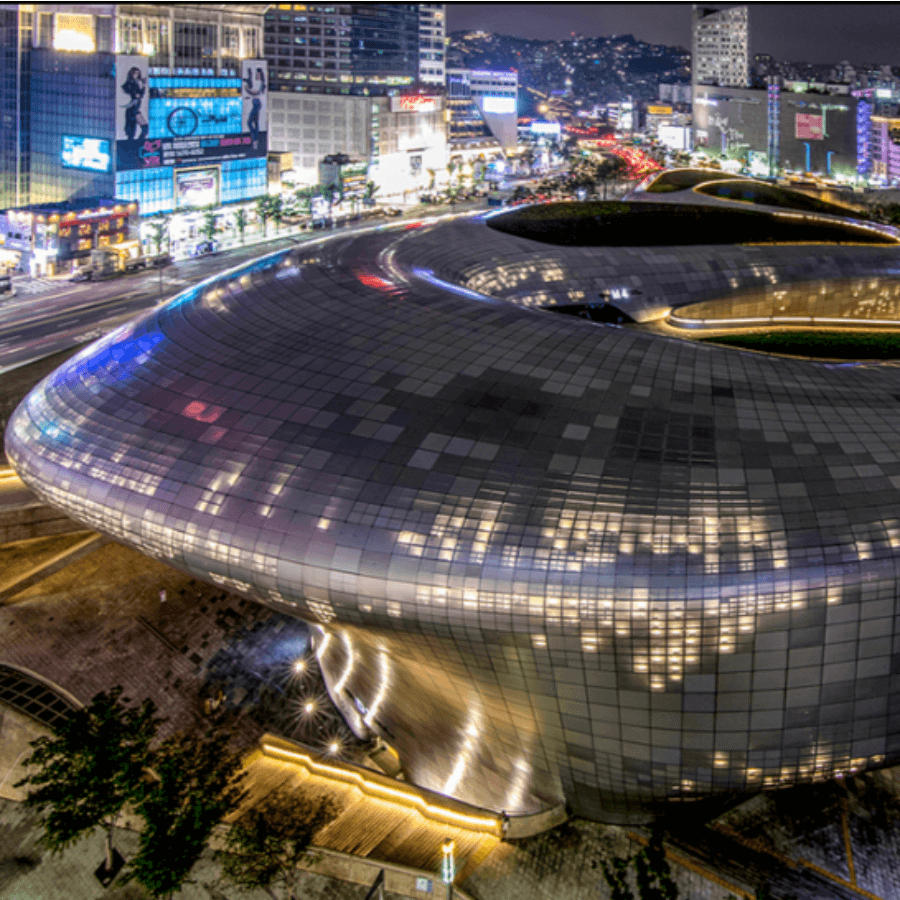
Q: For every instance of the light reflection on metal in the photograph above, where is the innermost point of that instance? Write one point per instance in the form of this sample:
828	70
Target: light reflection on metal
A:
384	685
471	735
398	794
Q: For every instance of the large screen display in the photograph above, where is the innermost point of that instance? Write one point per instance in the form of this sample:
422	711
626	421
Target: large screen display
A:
196	187
175	121
499	104
92	154
809	127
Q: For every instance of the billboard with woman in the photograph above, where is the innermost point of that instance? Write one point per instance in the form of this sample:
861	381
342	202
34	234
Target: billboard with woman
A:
254	91
132	98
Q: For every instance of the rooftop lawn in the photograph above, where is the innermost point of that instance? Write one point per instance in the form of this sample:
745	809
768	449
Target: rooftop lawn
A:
873	345
682	179
636	224
774	195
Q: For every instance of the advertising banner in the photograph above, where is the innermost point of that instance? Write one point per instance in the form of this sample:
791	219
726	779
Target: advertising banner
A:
500	105
197	187
415	103
809	127
181	151
254	92
85	153
187	126
132	98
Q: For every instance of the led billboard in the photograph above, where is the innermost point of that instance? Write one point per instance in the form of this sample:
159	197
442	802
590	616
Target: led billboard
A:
196	187
93	154
190	121
254	91
499	104
132	98
554	129
808	127
414	103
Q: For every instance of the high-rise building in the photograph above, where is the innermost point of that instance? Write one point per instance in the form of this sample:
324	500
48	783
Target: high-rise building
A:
161	104
365	49
432	43
483	106
361	79
721	47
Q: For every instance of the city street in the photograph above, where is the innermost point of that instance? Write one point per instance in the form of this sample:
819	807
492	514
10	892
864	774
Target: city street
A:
47	315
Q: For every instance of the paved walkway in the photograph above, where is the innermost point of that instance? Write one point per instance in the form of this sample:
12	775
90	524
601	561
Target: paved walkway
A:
100	621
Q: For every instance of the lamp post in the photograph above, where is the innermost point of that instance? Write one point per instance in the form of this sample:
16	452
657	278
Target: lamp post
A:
448	866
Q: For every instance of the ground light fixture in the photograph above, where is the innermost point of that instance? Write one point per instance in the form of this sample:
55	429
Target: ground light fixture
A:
448	865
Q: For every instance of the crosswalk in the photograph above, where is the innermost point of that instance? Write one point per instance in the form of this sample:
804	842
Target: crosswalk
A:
36	285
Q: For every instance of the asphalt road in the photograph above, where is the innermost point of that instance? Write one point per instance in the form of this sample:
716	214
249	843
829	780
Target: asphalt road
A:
49	315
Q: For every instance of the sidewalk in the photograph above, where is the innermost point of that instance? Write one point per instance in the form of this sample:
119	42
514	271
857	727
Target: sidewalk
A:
100	622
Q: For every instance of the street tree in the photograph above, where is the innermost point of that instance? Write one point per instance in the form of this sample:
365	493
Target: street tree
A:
303	197
452	169
93	764
240	222
652	872
264	212
197	782
159	232
276	211
615	873
209	227
266	846
329	194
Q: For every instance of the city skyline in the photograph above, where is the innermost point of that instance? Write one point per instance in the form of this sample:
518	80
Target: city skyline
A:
807	32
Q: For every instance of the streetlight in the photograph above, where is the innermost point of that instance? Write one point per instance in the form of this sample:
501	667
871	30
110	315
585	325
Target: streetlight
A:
448	866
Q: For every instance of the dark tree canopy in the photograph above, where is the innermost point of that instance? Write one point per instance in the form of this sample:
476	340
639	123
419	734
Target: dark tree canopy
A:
92	765
267	844
199	782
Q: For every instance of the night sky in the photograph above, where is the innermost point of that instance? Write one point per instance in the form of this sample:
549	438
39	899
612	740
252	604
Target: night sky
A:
793	32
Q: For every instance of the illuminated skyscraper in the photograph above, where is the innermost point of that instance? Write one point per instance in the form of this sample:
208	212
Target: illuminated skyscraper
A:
350	48
720	47
432	37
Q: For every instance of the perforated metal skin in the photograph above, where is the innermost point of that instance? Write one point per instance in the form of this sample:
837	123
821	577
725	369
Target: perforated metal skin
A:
547	560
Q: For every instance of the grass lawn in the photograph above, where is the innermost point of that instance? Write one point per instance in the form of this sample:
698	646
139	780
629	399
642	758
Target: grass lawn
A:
682	179
624	224
773	195
818	344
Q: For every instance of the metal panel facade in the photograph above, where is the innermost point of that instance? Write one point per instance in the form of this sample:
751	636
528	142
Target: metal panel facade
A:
546	559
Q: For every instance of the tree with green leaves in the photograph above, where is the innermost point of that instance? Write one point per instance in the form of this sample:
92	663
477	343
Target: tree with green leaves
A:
303	197
652	872
329	193
210	226
92	765
240	222
615	873
264	212
452	169
197	782
266	846
276	211
159	232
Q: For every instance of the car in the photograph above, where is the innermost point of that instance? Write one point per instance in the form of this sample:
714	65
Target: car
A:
393	211
160	260
136	264
5	284
82	273
205	248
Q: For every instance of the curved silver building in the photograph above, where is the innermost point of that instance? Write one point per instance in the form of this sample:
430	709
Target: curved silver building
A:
547	560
